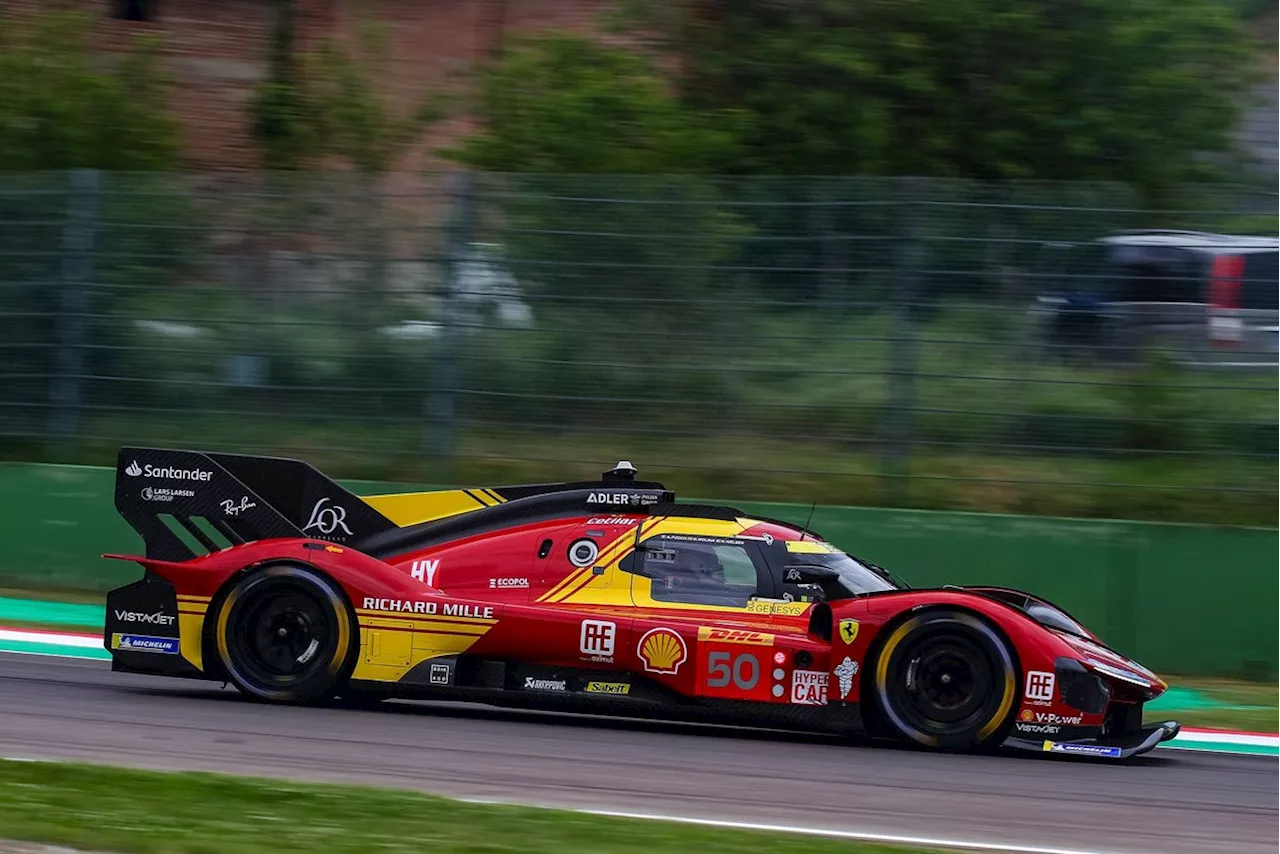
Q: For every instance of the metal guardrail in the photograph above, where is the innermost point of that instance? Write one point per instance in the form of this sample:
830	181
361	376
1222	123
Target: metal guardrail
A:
857	341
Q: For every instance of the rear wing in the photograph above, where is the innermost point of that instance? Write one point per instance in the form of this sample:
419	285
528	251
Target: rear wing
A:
189	503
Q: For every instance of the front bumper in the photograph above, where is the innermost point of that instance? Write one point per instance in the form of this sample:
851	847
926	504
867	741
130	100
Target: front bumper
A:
1116	746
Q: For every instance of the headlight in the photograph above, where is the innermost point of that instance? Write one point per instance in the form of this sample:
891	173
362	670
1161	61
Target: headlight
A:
1119	673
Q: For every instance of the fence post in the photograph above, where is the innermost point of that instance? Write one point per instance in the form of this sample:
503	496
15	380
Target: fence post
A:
66	393
442	405
908	257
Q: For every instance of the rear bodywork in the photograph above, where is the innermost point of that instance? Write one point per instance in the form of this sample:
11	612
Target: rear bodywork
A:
540	596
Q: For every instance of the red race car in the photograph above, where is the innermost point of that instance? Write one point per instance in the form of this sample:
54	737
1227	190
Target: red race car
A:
600	596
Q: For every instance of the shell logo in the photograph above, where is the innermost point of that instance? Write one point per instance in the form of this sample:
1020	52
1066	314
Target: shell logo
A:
1027	714
662	651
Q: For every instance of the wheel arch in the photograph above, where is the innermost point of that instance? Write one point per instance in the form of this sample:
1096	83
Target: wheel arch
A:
209	642
873	715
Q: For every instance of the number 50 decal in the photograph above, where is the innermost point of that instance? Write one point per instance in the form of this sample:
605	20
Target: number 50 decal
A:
743	670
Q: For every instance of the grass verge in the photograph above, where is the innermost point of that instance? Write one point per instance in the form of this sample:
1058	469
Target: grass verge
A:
1248	706
102	808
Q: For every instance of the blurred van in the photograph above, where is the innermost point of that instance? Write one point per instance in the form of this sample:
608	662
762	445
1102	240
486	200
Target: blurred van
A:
1207	299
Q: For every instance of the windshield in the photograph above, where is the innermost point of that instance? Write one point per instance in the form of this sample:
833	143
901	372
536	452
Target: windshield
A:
858	578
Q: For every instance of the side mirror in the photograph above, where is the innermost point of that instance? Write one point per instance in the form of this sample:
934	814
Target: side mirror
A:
805	574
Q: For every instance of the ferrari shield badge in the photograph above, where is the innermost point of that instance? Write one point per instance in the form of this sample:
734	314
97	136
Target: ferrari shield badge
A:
848	630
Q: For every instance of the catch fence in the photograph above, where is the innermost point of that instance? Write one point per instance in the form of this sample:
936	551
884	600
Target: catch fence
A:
911	342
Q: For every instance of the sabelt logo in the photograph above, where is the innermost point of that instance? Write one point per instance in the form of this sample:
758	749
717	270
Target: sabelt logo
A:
744	636
156	619
662	651
608	688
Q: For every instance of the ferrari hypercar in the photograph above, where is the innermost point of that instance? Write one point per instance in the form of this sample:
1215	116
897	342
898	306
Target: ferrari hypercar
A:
602	596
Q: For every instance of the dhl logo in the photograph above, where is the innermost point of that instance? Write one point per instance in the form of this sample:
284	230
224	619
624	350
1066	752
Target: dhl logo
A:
744	636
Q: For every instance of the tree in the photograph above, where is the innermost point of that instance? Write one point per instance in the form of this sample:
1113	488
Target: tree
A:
1131	90
563	103
64	105
328	103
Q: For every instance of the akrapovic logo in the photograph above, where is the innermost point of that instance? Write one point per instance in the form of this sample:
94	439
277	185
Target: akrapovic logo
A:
167	472
532	684
156	619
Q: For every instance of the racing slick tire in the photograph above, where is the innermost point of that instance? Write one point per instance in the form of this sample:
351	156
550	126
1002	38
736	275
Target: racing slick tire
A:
946	679
285	634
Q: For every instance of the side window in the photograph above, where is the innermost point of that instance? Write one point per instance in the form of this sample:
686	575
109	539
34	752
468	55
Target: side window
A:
697	572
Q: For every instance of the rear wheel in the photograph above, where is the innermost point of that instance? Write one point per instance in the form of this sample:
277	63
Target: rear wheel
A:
285	634
946	679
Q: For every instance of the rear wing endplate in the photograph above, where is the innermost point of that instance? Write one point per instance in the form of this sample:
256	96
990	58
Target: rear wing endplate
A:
188	503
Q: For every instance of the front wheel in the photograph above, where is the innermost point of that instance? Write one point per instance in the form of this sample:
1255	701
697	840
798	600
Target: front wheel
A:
285	634
946	679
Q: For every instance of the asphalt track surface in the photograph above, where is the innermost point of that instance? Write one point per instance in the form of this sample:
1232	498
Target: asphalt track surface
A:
1168	802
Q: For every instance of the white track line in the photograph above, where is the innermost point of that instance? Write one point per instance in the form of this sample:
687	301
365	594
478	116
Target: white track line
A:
861	836
855	835
51	638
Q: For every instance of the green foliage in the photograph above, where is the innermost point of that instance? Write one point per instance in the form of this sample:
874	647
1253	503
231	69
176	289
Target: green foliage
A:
330	103
1130	90
562	103
64	105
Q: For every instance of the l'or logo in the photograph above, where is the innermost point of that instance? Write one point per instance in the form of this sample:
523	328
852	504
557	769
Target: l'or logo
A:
327	519
848	630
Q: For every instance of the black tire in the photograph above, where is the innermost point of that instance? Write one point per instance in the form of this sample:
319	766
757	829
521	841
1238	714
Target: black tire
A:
285	634
946	679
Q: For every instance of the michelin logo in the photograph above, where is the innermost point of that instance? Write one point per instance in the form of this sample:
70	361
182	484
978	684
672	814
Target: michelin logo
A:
1083	749
144	643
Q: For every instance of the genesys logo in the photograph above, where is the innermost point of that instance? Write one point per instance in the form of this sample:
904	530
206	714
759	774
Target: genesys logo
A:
167	472
157	619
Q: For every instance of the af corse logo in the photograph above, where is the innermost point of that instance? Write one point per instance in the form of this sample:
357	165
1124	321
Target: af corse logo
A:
597	638
1040	686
